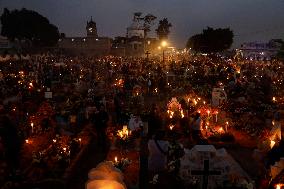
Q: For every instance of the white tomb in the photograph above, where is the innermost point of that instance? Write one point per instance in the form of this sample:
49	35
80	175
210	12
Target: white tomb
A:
203	163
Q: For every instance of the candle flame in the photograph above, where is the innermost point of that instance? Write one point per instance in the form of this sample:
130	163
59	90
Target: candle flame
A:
182	115
272	143
278	186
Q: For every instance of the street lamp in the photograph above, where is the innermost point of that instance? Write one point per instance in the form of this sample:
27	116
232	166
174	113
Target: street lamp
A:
164	44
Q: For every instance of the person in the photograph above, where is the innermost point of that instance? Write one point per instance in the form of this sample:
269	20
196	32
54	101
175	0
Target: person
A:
101	119
149	83
158	151
196	127
154	121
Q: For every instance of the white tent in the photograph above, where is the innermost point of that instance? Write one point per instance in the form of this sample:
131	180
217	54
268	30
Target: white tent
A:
105	176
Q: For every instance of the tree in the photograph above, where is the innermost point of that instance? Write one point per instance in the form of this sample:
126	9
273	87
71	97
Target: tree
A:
163	29
148	21
280	53
28	25
211	40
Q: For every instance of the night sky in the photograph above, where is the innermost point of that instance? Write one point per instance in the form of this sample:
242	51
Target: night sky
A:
251	20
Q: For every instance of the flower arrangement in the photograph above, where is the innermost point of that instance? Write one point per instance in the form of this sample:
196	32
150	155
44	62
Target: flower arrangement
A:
123	138
175	152
174	107
124	133
121	164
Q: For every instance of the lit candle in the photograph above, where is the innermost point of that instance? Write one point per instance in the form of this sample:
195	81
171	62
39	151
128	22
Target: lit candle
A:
156	90
182	115
278	186
32	125
124	129
115	159
227	124
272	143
208	112
216	116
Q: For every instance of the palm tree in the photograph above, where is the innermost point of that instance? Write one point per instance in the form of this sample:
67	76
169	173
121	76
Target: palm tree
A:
163	29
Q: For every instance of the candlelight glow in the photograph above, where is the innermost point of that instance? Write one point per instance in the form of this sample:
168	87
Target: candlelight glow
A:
278	186
272	143
171	127
124	133
182	115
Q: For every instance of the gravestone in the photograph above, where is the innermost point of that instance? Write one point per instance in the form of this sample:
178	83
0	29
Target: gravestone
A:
48	94
210	167
219	96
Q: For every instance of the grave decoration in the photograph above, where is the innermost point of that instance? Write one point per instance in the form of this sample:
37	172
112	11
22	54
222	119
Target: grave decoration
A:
174	109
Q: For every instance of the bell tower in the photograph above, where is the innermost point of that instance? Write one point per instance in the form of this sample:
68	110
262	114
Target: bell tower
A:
91	28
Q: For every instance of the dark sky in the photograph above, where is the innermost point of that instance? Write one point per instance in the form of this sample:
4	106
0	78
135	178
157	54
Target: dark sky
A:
251	20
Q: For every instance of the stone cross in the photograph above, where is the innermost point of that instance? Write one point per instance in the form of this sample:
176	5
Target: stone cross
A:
206	173
147	54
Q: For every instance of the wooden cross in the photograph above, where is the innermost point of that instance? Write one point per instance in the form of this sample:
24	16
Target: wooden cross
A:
206	173
147	54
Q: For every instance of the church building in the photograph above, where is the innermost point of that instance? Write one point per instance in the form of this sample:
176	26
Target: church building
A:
136	43
91	45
